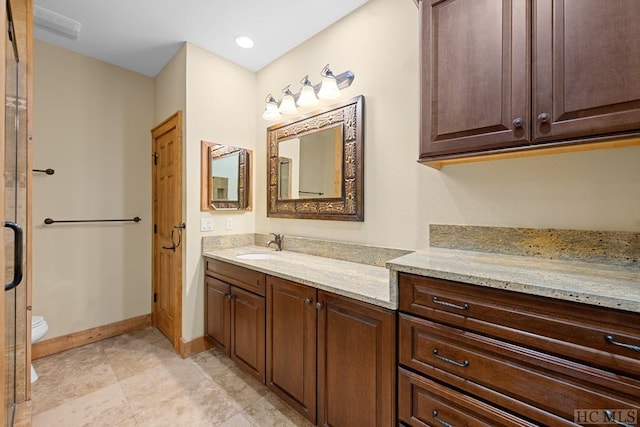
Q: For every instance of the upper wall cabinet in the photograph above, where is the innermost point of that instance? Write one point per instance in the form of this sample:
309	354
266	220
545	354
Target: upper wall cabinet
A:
509	75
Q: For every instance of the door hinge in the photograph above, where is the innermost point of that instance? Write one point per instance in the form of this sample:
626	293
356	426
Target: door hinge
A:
155	297
155	228
155	158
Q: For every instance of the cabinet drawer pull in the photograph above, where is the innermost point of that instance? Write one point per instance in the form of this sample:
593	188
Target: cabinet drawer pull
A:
319	305
543	117
453	362
465	306
518	122
308	301
611	340
440	420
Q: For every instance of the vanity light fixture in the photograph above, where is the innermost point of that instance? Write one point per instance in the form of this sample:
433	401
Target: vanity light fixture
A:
307	96
271	112
288	104
329	88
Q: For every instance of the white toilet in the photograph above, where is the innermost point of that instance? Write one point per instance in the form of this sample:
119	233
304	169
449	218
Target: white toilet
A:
39	328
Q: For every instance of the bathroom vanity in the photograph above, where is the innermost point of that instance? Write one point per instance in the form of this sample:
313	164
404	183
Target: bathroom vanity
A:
482	338
515	344
320	333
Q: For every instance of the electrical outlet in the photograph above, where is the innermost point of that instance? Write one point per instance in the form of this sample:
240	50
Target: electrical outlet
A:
206	224
229	224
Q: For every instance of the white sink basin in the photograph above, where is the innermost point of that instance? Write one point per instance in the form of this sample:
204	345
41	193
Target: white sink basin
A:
256	256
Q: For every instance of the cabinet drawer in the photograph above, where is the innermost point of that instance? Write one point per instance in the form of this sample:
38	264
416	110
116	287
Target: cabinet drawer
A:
574	330
422	402
549	383
250	280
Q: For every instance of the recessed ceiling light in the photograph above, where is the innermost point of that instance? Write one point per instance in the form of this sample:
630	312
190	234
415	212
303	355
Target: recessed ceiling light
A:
244	41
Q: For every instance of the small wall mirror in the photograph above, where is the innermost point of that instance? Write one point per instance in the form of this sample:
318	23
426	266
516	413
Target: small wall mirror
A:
316	165
225	177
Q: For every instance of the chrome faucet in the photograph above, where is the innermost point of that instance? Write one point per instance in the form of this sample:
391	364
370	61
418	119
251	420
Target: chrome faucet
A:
277	239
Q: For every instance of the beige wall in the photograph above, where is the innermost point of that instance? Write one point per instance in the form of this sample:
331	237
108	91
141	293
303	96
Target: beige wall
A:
217	99
379	43
91	124
220	108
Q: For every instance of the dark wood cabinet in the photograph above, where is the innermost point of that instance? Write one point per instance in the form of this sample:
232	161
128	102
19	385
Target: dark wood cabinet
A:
248	332
475	75
502	76
291	344
356	363
235	314
536	357
218	313
585	68
330	357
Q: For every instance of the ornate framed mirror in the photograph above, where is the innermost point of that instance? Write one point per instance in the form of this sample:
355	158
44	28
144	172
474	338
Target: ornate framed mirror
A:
225	177
316	165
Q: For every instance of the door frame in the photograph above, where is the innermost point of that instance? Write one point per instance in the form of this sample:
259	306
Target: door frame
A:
172	122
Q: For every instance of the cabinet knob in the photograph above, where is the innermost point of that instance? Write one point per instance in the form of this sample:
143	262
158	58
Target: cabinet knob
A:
229	296
319	305
518	122
543	117
308	301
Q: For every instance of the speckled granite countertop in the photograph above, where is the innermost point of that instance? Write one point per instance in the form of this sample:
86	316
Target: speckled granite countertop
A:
358	281
596	284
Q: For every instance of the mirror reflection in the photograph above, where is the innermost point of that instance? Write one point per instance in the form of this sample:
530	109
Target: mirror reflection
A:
225	177
310	166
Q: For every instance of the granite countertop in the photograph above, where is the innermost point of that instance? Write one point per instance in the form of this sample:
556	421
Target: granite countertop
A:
362	282
591	283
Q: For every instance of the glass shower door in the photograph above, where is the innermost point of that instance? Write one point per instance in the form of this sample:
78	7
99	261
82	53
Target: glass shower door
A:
12	205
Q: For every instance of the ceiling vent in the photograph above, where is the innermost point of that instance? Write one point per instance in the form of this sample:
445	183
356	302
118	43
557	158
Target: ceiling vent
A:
47	20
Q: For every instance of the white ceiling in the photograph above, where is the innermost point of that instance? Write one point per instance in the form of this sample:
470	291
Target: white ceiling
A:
142	35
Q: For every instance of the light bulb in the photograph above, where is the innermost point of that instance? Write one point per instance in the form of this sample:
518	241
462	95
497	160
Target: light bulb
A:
307	96
271	112
288	104
329	88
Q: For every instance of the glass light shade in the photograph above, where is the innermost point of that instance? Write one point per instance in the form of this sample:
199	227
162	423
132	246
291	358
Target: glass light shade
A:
307	97
329	88
288	105
271	112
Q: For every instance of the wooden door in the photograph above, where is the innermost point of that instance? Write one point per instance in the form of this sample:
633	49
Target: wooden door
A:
218	312
586	57
247	332
475	78
356	363
167	214
291	344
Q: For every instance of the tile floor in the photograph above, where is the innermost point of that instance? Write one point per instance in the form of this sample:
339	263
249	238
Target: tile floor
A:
137	379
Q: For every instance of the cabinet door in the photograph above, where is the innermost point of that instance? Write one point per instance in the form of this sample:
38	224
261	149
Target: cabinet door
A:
586	57
475	78
217	312
247	332
356	363
291	344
